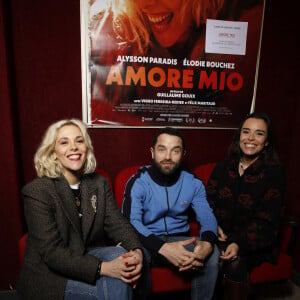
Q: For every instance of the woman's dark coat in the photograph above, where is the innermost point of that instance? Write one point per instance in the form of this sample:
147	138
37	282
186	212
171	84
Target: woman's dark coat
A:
57	244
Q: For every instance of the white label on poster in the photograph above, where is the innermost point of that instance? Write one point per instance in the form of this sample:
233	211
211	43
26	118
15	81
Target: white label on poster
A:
226	37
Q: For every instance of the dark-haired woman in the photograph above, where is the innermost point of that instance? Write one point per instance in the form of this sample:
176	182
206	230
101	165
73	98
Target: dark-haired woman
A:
246	192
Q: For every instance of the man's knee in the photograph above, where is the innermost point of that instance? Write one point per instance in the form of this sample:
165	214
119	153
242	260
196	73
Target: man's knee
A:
213	259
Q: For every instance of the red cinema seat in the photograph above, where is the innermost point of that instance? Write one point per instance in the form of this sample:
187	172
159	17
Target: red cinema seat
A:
106	175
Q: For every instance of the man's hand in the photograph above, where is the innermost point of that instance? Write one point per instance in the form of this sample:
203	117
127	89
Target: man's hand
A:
176	253
184	259
202	250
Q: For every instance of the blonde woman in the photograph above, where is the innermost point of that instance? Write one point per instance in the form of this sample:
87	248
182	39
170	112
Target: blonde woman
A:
78	244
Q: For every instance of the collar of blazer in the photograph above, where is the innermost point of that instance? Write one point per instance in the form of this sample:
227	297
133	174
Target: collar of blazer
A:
89	195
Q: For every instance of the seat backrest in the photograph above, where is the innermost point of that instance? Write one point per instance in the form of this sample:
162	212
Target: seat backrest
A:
21	247
120	182
106	175
204	171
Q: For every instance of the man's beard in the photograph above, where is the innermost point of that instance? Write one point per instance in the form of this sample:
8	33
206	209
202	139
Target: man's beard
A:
169	170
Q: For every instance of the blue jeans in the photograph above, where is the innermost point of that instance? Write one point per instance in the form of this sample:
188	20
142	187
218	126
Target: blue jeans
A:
106	288
204	280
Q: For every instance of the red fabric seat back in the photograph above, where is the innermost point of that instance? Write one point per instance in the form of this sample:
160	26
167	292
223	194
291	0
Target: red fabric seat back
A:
106	175
204	171
120	182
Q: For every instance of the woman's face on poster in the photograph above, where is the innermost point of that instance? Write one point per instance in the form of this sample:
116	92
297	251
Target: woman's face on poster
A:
168	22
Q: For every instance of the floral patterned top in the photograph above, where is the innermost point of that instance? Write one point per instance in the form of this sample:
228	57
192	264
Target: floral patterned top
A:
249	207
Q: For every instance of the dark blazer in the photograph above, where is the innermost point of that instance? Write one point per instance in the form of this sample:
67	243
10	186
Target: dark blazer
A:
57	246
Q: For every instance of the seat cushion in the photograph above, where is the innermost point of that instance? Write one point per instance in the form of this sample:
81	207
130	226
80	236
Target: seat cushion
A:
267	272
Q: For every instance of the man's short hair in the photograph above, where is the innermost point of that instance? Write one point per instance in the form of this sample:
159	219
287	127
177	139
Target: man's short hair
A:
170	131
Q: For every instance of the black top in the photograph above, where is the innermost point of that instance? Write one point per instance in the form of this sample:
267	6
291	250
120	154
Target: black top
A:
248	208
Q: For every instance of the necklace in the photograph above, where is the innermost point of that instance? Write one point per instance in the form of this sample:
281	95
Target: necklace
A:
244	166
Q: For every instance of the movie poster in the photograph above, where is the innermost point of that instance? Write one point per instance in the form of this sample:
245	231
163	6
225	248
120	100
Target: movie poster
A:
181	63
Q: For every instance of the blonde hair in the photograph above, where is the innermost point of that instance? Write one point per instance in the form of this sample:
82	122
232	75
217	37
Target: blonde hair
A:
44	161
131	26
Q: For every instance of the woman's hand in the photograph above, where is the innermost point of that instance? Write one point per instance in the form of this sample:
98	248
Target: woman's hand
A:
127	267
221	235
231	252
134	265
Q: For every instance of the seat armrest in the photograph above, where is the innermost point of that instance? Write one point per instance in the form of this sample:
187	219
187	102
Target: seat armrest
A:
290	227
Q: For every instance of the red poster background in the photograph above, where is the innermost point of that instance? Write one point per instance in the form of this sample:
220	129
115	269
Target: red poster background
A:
179	85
